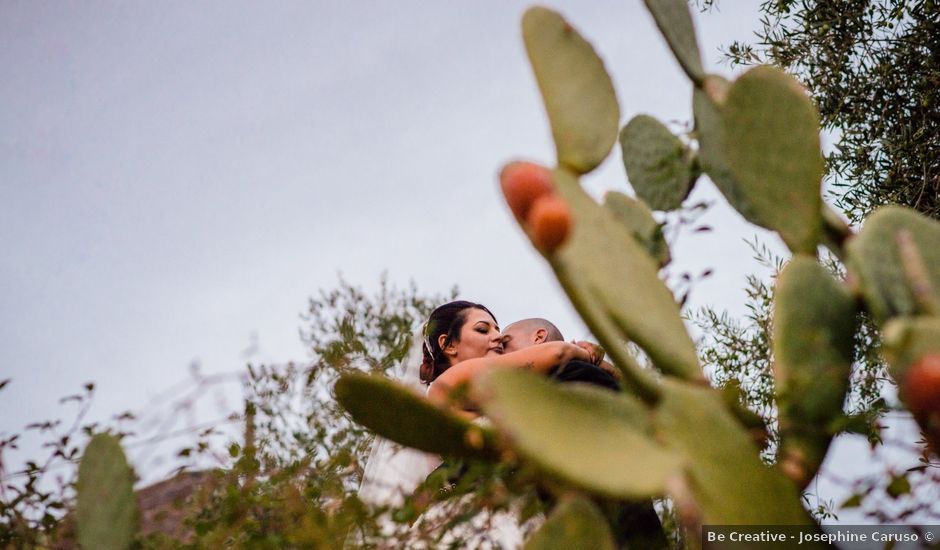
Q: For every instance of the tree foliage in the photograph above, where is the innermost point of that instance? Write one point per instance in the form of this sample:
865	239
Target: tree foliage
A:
289	476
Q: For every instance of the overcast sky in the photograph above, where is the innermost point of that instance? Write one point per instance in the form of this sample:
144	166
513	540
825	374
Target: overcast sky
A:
176	179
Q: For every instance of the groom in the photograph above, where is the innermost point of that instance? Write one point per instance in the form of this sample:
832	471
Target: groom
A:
529	332
637	523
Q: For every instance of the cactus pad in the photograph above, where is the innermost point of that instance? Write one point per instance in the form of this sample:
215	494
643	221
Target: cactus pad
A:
813	341
729	483
578	93
875	259
711	138
909	343
813	329
675	23
658	164
906	339
639	221
620	279
771	142
395	412
106	511
589	437
575	523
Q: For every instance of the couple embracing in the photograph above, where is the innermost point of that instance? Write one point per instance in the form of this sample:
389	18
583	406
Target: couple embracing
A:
461	340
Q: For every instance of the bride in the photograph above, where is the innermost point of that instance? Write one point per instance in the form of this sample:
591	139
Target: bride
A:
459	341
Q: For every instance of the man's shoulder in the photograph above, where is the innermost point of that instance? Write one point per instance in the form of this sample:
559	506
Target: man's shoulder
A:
582	371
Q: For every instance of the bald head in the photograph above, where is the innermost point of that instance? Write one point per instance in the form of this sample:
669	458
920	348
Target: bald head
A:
529	332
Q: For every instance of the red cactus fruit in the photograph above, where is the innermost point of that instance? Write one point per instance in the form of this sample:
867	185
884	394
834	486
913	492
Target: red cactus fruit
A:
523	183
921	386
549	223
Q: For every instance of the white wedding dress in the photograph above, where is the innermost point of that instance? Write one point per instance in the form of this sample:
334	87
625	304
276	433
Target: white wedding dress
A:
393	471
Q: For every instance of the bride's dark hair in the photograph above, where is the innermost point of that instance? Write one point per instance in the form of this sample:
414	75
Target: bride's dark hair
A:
446	319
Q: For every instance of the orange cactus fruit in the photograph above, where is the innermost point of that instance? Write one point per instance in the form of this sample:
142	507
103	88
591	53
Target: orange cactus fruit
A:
523	183
549	223
921	386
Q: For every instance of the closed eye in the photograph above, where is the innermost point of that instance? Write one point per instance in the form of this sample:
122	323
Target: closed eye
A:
484	328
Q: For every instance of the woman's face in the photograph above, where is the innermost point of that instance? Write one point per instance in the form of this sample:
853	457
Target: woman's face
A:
479	337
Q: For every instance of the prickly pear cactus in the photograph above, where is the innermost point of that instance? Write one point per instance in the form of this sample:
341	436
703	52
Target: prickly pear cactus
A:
771	145
636	216
670	433
395	412
896	259
604	260
907	339
706	106
588	437
579	96
813	340
659	166
675	23
106	512
912	348
726	478
575	523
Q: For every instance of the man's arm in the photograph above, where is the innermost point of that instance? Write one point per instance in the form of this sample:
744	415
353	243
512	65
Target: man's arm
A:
597	357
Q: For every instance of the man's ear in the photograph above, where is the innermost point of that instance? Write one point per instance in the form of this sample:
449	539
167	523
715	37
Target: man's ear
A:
541	335
449	349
